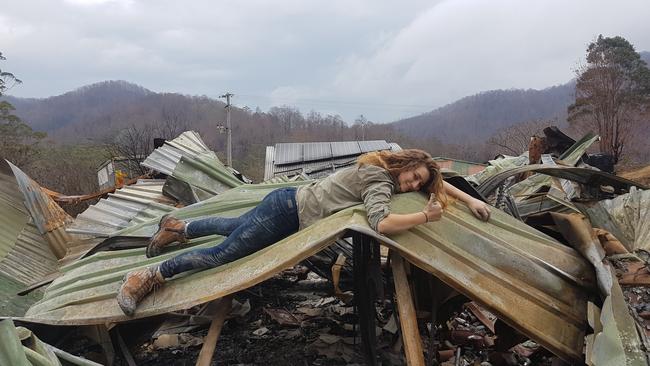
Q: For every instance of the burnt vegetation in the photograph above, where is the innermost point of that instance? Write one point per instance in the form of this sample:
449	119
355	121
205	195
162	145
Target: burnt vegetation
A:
118	118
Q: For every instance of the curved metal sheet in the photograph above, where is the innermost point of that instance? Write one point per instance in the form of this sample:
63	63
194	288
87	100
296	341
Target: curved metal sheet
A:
24	253
580	175
188	159
47	215
529	280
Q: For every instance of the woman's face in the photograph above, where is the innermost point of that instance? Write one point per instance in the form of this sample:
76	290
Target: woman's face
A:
413	180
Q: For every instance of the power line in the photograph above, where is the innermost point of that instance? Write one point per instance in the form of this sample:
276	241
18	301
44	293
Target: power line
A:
339	102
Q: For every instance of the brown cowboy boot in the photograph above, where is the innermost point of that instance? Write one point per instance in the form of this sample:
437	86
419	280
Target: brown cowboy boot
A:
137	284
169	230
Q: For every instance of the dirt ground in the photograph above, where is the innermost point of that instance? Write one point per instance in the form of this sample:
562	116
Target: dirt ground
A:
291	321
281	344
640	175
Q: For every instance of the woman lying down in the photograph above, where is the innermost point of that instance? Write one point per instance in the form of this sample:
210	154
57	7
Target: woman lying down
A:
284	211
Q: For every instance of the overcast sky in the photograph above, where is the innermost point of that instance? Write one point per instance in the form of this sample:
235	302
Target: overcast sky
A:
382	59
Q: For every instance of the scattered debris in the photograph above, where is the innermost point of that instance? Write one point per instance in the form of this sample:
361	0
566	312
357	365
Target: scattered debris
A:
530	296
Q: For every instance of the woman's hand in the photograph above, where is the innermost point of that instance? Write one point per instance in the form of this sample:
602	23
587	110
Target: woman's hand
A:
479	208
433	210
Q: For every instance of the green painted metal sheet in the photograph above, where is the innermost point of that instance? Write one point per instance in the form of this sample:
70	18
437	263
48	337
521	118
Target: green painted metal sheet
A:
529	280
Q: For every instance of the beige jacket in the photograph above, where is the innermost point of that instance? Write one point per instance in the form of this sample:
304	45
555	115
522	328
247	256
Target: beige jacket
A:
368	184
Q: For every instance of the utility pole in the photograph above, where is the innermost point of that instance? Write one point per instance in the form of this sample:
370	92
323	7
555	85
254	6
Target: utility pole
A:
228	127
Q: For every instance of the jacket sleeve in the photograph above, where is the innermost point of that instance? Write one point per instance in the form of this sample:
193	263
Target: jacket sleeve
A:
376	198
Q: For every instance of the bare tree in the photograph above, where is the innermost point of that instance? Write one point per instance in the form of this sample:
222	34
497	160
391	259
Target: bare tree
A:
516	138
172	124
134	144
612	93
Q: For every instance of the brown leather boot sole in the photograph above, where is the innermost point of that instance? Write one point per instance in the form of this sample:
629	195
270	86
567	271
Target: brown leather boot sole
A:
170	230
137	284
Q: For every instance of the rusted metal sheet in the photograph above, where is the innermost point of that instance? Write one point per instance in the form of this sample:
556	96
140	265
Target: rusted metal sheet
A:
627	217
24	254
47	215
529	280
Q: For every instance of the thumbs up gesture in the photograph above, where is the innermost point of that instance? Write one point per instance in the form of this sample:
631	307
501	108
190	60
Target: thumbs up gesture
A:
433	210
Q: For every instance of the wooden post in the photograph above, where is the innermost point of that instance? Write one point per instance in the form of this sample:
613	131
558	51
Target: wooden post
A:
210	340
406	310
123	347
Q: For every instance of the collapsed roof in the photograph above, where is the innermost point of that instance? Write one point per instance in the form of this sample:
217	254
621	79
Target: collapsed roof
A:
530	280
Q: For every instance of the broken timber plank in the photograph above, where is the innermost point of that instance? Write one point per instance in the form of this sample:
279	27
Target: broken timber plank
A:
210	341
406	310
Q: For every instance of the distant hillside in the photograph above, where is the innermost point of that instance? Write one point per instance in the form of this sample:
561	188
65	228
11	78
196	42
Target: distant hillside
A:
477	117
78	107
98	113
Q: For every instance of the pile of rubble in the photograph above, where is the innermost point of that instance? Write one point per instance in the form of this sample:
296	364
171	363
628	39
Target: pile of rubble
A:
558	276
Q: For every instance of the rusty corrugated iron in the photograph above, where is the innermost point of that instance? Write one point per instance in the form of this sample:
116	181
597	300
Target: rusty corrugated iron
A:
528	279
25	255
47	215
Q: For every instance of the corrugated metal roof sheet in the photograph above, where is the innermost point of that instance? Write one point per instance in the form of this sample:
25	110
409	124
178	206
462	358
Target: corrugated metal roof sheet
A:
165	158
30	259
285	179
25	255
288	153
268	162
291	153
345	148
626	216
127	206
188	159
48	216
316	151
316	169
504	265
373	145
317	159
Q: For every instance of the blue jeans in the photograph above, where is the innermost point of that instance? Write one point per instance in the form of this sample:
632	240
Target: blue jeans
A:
274	219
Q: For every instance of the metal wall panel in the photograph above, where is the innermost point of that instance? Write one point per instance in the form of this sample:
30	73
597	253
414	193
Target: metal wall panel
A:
316	151
313	158
373	145
287	153
268	162
345	148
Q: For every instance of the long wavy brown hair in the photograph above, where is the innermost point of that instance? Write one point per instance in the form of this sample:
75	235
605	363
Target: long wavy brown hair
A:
405	161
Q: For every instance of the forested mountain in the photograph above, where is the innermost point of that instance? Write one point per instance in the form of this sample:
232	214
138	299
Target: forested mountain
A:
99	112
102	113
79	107
477	117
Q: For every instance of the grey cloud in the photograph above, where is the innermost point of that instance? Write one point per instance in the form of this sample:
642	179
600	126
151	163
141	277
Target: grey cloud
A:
380	59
